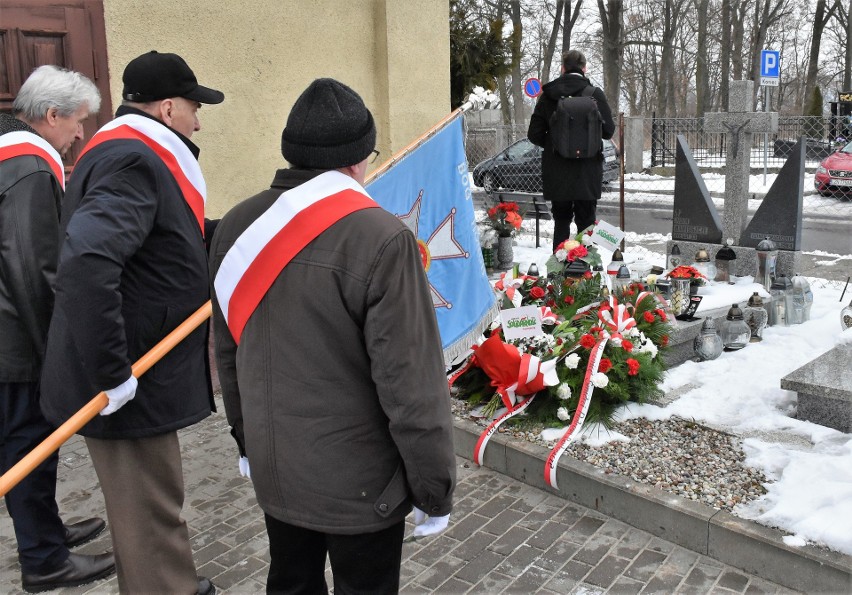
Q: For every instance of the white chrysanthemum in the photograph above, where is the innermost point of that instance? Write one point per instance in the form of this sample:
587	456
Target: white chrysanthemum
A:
562	414
561	255
572	361
563	391
649	347
600	380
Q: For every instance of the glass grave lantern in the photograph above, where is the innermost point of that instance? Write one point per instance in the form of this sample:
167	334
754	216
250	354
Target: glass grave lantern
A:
755	316
703	264
622	279
801	301
846	317
767	257
735	332
708	344
726	263
673	258
615	263
782	301
533	270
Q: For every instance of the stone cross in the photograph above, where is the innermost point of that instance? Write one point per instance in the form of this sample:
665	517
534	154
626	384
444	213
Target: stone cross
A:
740	124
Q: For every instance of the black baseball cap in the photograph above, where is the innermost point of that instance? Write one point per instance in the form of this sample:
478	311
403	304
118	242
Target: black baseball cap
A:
154	76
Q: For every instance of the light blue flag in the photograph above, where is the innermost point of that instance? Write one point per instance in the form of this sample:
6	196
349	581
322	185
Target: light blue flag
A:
429	190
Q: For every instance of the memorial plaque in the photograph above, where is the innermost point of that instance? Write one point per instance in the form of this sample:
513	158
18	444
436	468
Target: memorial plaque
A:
695	217
780	214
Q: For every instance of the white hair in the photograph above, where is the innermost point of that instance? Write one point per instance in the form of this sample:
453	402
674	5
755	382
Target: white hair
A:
51	86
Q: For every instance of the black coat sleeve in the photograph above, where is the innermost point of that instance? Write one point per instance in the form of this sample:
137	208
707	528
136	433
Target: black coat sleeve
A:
29	226
540	122
114	217
606	113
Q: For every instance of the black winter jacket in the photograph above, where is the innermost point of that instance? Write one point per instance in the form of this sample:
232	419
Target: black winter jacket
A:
568	179
132	267
30	198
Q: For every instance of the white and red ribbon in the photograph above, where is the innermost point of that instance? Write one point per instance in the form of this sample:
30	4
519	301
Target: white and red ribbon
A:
479	449
547	315
172	150
616	320
511	287
21	142
262	251
576	424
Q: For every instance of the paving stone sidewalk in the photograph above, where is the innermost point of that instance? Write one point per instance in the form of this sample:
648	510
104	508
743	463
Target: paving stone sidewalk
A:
504	536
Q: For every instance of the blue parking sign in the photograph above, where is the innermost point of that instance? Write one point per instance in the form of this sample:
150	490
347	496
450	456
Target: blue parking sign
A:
770	63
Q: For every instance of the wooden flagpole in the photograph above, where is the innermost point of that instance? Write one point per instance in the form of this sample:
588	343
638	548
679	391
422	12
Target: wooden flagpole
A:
52	443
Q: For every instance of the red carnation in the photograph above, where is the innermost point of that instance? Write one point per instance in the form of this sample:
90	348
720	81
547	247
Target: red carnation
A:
587	275
587	341
648	316
632	367
664	340
492	212
569	299
627	345
605	366
536	293
661	314
551	303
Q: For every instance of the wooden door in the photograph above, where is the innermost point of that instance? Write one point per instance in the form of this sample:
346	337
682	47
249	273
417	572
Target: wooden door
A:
70	34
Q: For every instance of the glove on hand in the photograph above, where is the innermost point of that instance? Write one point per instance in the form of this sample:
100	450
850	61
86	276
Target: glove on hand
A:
120	395
245	470
426	525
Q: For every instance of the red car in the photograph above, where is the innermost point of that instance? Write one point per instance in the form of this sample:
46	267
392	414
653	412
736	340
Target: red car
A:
833	177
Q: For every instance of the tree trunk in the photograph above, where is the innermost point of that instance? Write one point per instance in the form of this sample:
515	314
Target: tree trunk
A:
569	19
725	56
737	35
702	82
517	84
847	62
551	42
612	31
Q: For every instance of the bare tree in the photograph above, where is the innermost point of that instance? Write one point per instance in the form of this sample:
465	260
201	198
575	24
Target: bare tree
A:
569	19
702	83
765	16
517	37
612	27
821	17
551	41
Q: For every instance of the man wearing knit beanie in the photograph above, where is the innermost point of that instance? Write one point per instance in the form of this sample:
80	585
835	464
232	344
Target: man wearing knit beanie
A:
330	360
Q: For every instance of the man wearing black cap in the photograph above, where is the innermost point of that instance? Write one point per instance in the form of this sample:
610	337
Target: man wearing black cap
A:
330	361
132	266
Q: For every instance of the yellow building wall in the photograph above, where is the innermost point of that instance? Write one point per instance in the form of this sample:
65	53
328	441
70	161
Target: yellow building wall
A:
263	53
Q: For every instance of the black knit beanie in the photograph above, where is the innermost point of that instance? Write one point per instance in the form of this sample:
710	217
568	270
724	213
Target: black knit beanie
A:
329	127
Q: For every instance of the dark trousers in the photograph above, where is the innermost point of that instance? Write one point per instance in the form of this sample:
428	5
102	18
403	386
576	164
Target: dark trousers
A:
364	563
31	503
583	213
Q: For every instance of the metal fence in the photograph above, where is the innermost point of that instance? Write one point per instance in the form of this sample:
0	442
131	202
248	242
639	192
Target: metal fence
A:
501	159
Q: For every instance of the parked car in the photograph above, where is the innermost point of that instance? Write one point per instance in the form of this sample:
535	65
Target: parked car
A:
833	177
518	167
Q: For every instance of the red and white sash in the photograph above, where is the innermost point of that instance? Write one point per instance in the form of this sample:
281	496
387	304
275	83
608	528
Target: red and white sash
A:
172	150
262	251
21	142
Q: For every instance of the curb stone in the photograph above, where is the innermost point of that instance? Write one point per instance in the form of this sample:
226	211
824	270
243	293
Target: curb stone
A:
740	543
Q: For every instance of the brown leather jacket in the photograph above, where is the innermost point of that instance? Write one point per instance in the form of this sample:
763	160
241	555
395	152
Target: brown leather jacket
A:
337	390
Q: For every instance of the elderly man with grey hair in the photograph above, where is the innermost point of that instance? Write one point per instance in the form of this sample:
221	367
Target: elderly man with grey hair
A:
47	117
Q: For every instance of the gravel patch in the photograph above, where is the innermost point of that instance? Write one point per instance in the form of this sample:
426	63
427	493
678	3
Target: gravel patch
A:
676	455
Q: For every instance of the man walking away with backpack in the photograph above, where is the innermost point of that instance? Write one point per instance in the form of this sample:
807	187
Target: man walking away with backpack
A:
569	121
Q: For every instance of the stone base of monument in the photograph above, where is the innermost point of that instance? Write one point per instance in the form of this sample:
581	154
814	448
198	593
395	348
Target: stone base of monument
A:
746	263
824	389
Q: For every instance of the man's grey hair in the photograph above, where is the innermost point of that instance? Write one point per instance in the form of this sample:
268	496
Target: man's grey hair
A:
51	86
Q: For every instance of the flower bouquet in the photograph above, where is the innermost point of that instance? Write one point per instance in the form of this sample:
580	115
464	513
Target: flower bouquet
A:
574	257
505	219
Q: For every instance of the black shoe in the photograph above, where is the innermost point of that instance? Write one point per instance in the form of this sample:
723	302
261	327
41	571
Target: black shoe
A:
83	532
206	586
76	570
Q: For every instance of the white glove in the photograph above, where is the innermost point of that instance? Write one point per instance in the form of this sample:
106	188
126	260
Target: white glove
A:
426	525
120	395
245	470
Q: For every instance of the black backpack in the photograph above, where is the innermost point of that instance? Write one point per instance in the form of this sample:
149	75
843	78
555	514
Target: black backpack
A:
576	126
